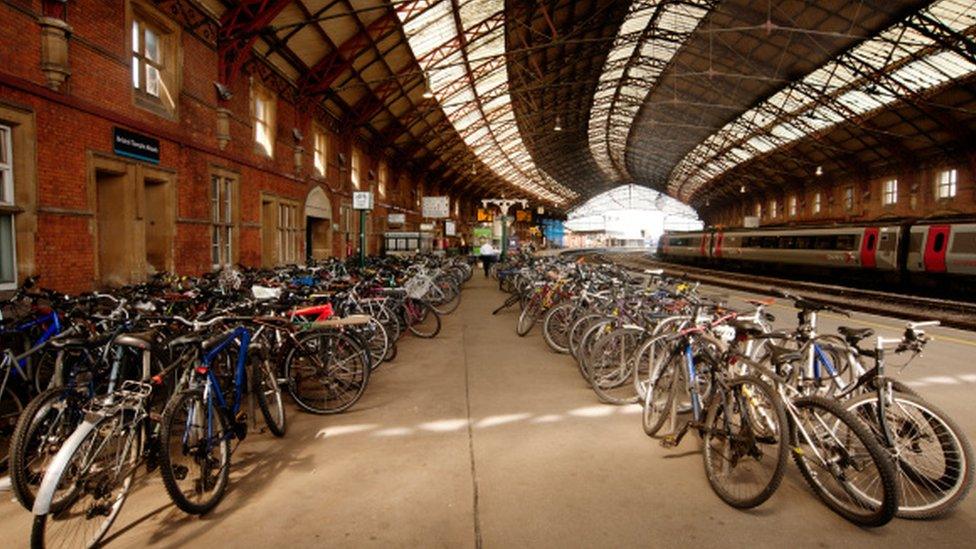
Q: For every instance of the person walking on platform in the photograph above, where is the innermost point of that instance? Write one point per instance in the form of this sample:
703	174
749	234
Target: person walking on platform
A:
487	253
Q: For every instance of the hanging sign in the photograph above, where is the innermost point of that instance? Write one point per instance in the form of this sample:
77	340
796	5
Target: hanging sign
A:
450	229
362	200
135	145
436	207
396	219
427	227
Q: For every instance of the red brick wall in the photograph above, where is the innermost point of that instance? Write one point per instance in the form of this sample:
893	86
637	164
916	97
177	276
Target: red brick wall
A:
78	120
868	196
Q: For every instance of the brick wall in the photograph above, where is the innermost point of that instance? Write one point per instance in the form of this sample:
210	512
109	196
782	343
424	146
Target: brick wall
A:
77	121
917	198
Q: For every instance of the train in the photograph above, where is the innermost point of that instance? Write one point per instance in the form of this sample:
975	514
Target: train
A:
913	253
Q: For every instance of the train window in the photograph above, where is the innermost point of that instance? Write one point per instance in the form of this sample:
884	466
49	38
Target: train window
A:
888	243
915	242
826	242
787	242
870	244
804	243
964	243
939	243
846	242
769	241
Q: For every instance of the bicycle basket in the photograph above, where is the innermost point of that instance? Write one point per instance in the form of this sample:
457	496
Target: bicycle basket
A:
417	287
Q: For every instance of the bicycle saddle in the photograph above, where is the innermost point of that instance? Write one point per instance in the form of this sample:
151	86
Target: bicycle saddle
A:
784	355
853	335
138	340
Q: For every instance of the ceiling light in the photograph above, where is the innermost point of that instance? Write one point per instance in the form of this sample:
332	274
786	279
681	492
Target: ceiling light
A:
819	170
427	93
742	189
558	127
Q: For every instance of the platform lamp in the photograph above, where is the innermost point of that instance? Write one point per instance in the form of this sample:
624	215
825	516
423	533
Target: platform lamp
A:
504	204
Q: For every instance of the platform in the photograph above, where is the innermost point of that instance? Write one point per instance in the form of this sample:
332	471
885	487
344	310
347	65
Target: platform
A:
481	438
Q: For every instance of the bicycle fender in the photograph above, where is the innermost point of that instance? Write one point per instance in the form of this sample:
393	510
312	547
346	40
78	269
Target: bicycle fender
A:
42	503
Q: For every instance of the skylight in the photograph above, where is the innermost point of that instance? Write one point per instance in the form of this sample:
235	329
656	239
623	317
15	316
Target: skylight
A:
651	34
899	61
476	99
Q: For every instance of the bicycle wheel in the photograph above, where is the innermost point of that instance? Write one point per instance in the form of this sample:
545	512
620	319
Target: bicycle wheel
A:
451	297
422	320
377	341
93	483
10	409
327	371
43	427
527	318
661	400
743	446
268	393
194	458
612	366
555	326
843	462
932	454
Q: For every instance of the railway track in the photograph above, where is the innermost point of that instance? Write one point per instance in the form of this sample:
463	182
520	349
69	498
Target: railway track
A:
957	314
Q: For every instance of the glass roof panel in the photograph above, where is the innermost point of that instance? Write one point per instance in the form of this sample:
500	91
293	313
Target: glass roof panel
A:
841	92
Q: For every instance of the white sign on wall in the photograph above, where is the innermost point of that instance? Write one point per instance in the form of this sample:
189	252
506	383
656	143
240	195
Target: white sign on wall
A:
396	219
362	200
427	227
450	229
436	207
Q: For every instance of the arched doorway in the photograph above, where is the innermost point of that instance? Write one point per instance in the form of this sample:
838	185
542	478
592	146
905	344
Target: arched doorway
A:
318	224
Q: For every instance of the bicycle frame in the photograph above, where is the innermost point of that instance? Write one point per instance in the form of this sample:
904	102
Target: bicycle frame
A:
212	391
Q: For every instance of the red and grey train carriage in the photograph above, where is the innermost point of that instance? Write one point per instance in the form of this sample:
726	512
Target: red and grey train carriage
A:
920	251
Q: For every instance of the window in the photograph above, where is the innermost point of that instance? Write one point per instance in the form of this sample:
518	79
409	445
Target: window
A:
384	174
758	209
222	220
319	152
263	118
816	203
890	194
154	55
946	184
288	232
8	253
356	165
791	206
773	208
849	198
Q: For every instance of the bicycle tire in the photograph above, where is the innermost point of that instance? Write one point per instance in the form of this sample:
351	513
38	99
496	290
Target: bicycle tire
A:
24	480
555	326
11	407
48	524
665	383
171	446
351	376
749	448
868	510
268	394
612	378
424	313
955	459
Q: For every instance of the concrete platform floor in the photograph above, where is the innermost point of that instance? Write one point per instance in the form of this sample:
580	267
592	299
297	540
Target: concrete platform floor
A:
480	438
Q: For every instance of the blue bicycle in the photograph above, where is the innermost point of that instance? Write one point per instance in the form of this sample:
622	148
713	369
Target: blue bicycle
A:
200	422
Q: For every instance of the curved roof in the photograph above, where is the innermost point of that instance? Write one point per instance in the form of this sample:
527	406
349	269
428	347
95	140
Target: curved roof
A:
560	100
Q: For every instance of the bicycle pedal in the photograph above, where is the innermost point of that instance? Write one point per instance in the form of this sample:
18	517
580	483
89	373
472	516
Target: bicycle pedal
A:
670	441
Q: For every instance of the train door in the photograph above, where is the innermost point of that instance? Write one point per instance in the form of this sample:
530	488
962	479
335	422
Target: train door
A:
936	246
703	249
719	237
869	248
